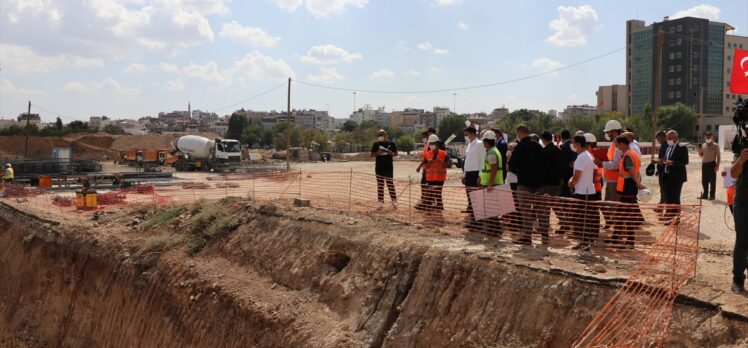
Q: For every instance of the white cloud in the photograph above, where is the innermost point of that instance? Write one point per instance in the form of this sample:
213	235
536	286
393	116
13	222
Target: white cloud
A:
413	73
427	47
136	68
252	67
106	86
250	36
326	76
462	26
19	59
573	25
435	70
102	29
545	65
445	2
329	54
320	8
700	11
8	88
382	74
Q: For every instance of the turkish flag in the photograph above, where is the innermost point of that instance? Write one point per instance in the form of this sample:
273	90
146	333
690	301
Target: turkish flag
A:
739	78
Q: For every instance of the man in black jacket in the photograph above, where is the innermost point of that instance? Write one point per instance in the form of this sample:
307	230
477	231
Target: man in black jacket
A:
528	163
661	141
675	161
568	156
554	165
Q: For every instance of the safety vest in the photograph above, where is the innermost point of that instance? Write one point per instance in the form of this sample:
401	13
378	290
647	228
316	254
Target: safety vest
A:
598	178
436	169
485	173
8	175
624	174
611	174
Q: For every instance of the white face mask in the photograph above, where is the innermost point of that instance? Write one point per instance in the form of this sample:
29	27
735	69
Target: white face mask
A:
432	147
380	138
709	141
607	137
670	143
424	140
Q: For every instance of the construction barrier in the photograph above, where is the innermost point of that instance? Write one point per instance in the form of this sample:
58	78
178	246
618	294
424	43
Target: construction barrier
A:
662	238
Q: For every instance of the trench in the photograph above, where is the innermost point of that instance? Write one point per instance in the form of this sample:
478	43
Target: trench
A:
278	281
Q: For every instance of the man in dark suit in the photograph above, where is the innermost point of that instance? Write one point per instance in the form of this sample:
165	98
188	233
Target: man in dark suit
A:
568	156
661	141
675	161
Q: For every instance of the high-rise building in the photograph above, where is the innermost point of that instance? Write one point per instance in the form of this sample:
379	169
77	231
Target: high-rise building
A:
692	69
612	99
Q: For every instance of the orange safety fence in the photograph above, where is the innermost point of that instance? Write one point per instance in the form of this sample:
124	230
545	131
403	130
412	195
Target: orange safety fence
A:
663	237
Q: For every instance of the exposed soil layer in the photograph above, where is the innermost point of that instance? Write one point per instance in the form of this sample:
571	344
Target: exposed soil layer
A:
238	274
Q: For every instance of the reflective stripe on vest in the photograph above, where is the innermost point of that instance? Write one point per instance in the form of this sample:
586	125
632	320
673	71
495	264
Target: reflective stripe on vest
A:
485	173
598	180
624	174
611	175
436	169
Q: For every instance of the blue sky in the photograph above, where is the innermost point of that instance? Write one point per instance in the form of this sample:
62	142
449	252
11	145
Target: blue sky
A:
132	58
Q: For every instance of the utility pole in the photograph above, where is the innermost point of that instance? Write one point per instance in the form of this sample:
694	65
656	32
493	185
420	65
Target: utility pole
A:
28	117
658	84
454	103
288	129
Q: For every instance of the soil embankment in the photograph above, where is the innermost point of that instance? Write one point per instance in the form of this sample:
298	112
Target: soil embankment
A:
236	274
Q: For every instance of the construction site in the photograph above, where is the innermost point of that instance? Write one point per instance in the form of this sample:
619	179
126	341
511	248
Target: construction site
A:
100	251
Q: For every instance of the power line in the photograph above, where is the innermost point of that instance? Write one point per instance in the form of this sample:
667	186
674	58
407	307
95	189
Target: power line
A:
467	87
252	97
52	112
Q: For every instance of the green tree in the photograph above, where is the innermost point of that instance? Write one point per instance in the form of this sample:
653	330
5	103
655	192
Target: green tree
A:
369	124
78	126
678	117
252	135
113	129
58	124
406	143
452	125
237	123
350	125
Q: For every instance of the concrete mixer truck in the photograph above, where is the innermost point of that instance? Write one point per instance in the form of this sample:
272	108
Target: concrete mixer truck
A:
198	153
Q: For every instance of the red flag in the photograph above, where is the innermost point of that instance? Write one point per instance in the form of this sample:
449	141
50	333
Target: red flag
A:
739	78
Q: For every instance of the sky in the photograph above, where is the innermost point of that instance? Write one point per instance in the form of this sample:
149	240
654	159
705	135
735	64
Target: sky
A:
134	58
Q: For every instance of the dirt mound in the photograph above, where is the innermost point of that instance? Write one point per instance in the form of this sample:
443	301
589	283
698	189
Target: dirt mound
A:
143	142
38	146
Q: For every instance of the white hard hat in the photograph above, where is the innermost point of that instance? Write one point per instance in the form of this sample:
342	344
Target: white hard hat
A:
590	138
490	135
7	165
433	138
645	195
612	125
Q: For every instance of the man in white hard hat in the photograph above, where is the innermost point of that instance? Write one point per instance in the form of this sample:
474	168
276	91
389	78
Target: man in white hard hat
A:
8	173
436	174
490	176
613	129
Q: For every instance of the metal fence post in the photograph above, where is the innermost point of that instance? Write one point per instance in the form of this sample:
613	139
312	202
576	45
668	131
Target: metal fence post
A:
410	199
299	181
350	189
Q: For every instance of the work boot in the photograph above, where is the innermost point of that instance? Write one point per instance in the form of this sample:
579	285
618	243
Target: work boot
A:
737	288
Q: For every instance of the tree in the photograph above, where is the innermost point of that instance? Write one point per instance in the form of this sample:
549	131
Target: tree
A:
452	125
406	143
237	123
678	117
252	135
350	125
113	129
78	126
58	124
369	124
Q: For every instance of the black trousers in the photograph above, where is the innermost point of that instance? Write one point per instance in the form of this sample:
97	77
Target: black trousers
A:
472	182
586	218
381	180
433	195
740	253
673	190
709	179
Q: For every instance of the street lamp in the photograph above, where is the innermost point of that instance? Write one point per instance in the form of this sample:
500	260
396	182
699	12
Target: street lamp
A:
354	101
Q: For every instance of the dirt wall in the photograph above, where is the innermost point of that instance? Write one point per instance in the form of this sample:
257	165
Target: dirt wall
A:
295	278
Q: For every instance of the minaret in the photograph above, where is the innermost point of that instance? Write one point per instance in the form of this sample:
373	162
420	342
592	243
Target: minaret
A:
189	110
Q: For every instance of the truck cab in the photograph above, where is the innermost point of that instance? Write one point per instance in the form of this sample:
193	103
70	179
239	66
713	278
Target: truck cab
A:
228	150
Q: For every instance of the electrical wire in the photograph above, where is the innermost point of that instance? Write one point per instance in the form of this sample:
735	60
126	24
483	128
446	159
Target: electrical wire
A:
252	97
33	105
492	84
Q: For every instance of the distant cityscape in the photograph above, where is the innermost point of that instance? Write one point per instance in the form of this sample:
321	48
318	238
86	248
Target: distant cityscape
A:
695	71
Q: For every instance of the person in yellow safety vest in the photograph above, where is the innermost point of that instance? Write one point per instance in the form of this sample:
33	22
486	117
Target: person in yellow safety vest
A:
629	217
8	173
613	129
491	175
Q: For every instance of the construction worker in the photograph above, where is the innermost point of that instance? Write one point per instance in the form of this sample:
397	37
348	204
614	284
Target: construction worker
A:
424	189
598	179
436	174
628	186
492	175
613	129
8	173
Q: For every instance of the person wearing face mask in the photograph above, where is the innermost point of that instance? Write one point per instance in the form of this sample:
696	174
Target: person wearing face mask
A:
710	158
527	162
629	184
613	129
384	151
585	214
424	189
475	154
675	161
661	141
436	174
490	176
553	180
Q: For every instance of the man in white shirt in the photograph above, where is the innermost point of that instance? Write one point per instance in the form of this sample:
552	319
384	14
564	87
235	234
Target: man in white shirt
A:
475	155
585	214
